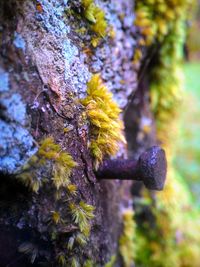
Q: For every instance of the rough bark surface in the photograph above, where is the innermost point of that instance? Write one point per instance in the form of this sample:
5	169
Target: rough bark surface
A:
45	65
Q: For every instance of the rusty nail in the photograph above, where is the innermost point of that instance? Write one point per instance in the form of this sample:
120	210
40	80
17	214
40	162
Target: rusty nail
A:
151	168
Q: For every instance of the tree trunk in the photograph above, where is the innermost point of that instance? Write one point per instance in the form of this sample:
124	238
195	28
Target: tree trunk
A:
46	61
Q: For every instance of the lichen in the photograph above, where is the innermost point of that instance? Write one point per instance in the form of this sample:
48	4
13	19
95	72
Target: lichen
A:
4	80
51	17
14	108
17	144
19	41
105	125
113	59
62	54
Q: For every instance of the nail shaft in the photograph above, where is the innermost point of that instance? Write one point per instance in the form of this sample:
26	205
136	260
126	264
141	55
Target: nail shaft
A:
118	169
151	168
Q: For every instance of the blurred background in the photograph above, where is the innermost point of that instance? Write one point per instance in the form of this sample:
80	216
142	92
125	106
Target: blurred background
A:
167	224
187	158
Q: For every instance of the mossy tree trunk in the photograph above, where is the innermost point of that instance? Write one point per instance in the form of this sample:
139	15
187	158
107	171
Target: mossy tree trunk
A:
47	57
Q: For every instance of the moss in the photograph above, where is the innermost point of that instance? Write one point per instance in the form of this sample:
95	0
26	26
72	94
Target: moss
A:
56	217
30	249
126	241
81	215
158	20
88	263
75	262
105	125
72	189
48	153
61	260
73	216
96	16
163	241
111	261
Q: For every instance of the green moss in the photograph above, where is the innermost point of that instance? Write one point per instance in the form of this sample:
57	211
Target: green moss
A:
81	215
52	166
56	217
61	165
75	262
96	16
61	260
88	263
105	125
158	20
163	241
111	261
126	241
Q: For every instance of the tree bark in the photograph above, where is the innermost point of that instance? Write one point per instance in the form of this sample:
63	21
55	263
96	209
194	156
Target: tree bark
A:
45	65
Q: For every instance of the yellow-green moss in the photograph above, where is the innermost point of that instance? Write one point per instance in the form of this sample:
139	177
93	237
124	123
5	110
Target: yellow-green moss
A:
96	16
111	261
82	214
53	166
105	125
61	163
75	262
126	241
89	263
158	19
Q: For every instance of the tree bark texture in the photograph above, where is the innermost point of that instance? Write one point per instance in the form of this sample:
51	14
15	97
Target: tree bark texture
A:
45	65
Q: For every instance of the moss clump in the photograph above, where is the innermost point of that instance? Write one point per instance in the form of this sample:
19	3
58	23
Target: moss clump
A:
158	20
29	249
96	16
88	263
126	241
68	214
105	125
111	261
81	215
61	165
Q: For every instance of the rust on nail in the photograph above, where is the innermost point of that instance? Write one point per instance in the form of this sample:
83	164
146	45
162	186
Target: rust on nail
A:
151	168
